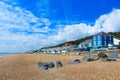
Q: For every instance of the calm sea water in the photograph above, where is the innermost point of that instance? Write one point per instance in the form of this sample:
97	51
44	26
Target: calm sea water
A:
5	54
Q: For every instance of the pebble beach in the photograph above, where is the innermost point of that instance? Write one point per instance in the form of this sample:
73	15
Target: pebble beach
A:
23	67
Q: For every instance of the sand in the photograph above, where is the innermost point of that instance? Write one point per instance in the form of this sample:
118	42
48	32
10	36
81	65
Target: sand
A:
23	67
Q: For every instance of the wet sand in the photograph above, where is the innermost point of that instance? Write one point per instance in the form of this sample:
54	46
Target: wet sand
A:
23	67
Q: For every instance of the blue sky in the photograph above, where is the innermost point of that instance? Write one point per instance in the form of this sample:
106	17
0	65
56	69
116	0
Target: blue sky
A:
32	24
70	11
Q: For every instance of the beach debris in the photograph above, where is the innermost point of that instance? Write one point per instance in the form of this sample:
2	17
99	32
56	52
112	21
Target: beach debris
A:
46	65
102	55
90	58
107	59
76	61
113	55
59	64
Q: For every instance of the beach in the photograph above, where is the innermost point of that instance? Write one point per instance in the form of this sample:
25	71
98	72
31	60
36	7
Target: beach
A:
23	67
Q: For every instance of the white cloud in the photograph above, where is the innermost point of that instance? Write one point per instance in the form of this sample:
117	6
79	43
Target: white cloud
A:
18	18
14	22
18	25
109	22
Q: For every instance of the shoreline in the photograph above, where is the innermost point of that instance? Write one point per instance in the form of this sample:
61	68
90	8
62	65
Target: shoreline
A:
2	55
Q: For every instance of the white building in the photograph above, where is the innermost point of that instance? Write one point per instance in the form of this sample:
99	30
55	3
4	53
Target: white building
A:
116	41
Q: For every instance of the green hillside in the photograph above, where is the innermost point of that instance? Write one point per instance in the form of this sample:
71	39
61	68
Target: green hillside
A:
76	41
72	42
116	34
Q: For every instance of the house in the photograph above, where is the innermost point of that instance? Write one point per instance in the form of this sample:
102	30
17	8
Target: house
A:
64	51
86	45
53	51
68	44
101	40
116	41
69	47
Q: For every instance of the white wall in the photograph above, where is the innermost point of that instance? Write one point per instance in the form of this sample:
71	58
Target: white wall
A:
116	41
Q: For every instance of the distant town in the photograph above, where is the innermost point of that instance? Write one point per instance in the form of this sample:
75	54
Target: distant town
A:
99	42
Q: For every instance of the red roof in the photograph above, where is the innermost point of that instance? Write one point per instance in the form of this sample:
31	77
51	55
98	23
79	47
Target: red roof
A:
68	44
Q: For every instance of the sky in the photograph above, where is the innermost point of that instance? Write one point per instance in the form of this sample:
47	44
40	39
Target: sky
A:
31	24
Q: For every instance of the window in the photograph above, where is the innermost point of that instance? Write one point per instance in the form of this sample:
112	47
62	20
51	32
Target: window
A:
104	37
94	43
99	43
110	37
94	38
105	43
99	37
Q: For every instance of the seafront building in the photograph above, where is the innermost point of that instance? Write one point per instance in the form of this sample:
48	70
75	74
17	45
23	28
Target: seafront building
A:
100	41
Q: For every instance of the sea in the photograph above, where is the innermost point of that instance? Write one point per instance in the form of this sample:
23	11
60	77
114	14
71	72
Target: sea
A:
5	54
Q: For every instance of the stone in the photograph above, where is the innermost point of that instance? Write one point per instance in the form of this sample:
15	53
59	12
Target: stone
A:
102	55
90	58
76	61
59	64
50	64
45	66
72	62
113	55
41	66
107	59
104	59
